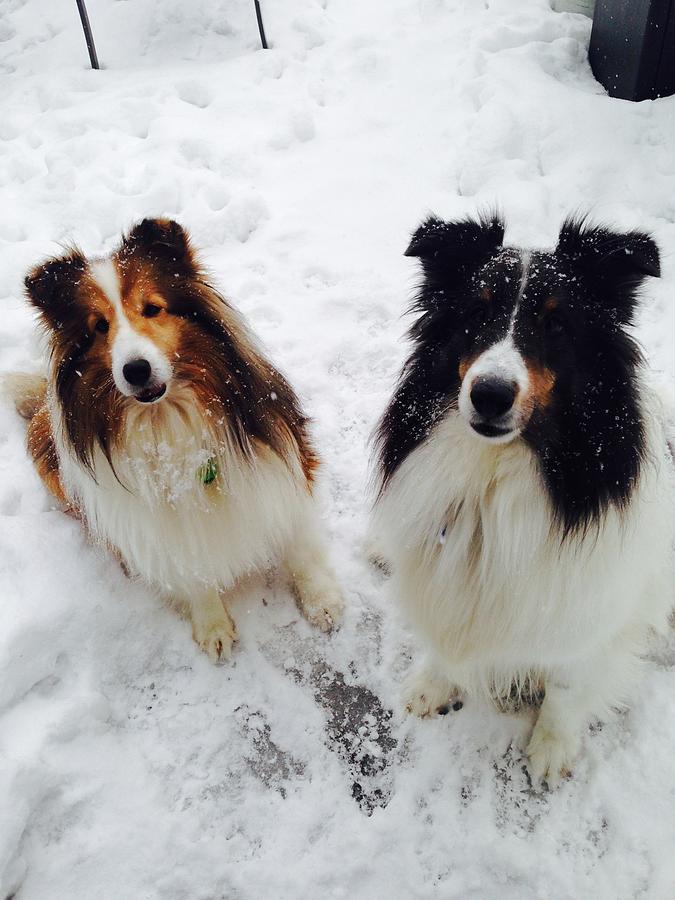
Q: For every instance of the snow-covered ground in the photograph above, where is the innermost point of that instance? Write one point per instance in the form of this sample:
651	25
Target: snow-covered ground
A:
130	767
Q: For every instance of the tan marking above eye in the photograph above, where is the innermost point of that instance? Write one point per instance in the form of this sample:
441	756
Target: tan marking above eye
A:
486	294
550	304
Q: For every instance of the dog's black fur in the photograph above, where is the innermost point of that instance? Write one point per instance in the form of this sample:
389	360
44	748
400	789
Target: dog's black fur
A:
570	323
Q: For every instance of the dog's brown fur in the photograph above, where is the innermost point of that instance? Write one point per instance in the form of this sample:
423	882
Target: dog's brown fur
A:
166	297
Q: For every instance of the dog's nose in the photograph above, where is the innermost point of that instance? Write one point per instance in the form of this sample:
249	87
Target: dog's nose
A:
492	397
137	372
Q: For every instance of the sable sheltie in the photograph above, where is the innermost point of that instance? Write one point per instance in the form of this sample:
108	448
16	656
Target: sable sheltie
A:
526	497
165	428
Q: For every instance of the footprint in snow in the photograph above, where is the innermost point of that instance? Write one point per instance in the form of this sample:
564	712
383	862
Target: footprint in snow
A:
312	36
216	196
7	32
244	216
195	93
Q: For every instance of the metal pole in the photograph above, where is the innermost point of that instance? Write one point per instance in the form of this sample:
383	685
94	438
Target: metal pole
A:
261	27
89	37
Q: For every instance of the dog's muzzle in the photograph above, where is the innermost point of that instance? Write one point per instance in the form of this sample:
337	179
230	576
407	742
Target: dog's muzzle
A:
492	400
143	383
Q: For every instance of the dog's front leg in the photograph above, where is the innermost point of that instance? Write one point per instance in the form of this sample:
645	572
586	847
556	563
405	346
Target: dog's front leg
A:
314	584
212	626
556	737
575	695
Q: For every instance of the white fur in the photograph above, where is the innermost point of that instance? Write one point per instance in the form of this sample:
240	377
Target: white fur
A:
502	360
193	540
128	344
498	598
525	262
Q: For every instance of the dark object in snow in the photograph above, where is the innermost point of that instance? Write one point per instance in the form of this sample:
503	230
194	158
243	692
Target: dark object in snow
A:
632	49
261	27
358	726
88	36
268	762
357	729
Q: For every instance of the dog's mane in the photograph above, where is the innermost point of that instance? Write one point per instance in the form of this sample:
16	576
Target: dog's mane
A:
220	358
238	389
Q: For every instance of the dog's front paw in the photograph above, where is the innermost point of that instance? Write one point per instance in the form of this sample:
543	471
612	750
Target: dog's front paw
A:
551	753
215	638
427	694
323	609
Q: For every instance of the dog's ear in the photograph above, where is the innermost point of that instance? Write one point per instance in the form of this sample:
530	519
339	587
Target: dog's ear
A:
163	240
52	286
613	263
450	249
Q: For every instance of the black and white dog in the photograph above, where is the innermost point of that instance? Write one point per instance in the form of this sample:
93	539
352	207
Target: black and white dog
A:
526	495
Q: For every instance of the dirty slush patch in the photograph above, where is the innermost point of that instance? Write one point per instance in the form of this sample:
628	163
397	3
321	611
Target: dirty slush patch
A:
358	726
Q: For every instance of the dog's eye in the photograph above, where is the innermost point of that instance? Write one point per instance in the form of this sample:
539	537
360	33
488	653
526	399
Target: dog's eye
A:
102	326
150	310
477	315
555	325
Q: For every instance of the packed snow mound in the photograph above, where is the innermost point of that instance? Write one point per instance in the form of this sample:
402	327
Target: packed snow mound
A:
130	766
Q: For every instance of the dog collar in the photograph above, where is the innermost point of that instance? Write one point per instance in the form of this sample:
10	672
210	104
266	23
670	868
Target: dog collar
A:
208	472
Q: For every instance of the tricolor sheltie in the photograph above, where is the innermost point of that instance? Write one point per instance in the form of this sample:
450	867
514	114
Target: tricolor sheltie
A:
165	428
526	496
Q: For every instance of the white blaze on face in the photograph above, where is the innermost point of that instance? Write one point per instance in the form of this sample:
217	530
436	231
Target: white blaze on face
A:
128	345
525	260
502	362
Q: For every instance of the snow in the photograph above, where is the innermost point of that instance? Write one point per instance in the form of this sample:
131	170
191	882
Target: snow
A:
130	767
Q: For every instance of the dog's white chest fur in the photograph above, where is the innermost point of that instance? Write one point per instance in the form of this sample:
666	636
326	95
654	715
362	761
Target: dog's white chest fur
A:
488	582
167	524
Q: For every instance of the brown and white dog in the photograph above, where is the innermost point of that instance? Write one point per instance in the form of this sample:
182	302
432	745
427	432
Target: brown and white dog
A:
162	424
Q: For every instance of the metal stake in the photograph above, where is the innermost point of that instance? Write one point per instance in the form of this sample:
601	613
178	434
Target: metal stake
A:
261	27
89	37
